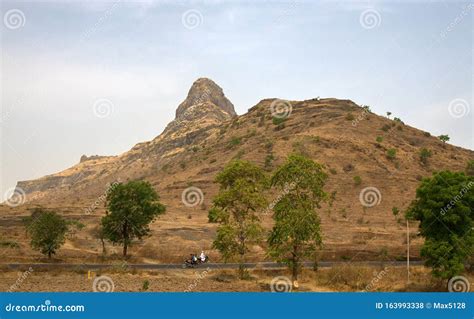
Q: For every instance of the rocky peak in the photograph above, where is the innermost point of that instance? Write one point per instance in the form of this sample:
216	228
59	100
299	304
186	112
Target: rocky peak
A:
205	91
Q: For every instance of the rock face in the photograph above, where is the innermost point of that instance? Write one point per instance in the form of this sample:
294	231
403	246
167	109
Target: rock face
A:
205	91
205	106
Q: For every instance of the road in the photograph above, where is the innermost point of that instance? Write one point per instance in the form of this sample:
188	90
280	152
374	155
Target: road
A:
262	265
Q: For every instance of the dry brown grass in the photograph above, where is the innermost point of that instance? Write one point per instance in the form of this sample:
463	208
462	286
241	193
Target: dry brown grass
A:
347	278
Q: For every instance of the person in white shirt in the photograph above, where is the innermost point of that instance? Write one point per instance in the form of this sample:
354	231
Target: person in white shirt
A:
202	256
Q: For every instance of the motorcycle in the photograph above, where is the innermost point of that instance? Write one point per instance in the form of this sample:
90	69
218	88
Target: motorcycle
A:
194	261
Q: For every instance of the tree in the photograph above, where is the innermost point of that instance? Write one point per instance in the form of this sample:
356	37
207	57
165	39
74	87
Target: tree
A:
131	207
241	196
47	230
388	114
444	138
296	234
98	232
444	207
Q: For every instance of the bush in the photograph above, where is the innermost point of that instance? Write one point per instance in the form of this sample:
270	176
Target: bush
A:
269	160
385	128
396	119
357	180
424	155
9	244
379	139
395	211
278	120
348	167
234	141
350	117
391	153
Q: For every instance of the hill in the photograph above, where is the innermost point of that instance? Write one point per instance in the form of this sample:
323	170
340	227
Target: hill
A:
367	183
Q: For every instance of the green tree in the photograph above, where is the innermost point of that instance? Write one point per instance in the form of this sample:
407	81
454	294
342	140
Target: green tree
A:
443	138
235	207
388	114
296	234
47	230
444	207
131	207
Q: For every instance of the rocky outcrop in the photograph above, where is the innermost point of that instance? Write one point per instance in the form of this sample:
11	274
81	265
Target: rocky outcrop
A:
204	91
85	158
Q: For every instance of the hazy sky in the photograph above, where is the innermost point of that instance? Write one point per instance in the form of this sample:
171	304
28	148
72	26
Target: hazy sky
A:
85	77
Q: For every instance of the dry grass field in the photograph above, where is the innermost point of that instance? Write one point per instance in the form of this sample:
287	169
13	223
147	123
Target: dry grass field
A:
341	278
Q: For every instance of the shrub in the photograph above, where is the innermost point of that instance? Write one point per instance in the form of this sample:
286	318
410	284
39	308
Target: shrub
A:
396	119
426	134
350	117
348	167
357	180
395	211
385	127
234	141
269	160
424	155
278	120
391	153
379	139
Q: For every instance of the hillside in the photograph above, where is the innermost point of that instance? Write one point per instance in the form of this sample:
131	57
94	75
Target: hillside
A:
207	133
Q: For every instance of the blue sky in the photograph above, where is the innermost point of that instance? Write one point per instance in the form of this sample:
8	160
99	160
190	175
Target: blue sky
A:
411	58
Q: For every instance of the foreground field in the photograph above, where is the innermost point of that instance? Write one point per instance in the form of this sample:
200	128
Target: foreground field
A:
340	278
